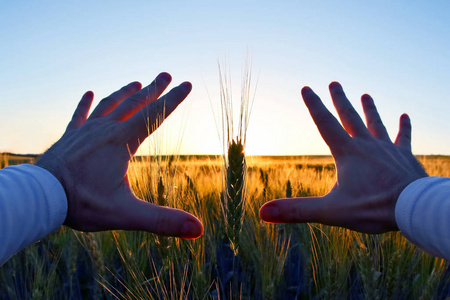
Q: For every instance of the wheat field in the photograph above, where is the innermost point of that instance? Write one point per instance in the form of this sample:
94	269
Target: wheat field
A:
296	261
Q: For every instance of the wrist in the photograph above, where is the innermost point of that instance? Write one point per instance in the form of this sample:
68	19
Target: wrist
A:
54	165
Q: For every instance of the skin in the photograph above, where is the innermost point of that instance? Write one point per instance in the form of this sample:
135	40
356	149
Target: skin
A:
91	161
371	170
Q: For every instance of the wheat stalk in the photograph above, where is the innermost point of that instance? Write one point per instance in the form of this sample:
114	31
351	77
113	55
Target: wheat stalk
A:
4	160
235	167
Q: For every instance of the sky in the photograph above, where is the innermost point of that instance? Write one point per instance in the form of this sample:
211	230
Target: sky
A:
398	51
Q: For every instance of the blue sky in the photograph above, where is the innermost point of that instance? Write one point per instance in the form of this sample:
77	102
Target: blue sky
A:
54	51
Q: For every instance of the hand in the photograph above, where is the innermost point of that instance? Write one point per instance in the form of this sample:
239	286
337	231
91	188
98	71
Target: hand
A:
371	170
91	161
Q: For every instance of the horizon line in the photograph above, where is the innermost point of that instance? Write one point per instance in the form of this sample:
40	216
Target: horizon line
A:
203	154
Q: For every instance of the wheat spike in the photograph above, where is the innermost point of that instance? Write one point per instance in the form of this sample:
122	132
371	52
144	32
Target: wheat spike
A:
235	189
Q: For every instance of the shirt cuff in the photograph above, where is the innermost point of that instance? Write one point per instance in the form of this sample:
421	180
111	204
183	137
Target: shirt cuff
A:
54	191
420	214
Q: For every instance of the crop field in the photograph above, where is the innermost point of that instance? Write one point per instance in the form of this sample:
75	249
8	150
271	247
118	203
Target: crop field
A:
7	159
254	261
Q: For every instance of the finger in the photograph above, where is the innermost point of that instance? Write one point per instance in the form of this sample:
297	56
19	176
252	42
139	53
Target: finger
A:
373	120
142	124
140	99
330	129
81	112
403	139
349	117
109	103
141	215
293	210
332	209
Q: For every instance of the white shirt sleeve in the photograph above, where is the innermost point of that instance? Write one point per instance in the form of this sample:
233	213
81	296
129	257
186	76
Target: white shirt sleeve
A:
422	214
32	205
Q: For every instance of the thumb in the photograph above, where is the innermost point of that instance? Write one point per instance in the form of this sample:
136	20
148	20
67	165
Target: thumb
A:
292	210
145	216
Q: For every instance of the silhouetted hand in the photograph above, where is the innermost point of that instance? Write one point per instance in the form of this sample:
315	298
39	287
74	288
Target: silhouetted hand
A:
371	170
91	161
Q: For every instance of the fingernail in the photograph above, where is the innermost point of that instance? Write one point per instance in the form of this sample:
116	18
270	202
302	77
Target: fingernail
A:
89	94
275	213
189	230
270	213
306	90
136	85
165	76
186	85
335	84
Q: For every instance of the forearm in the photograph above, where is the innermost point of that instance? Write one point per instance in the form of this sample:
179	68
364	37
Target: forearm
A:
32	205
423	214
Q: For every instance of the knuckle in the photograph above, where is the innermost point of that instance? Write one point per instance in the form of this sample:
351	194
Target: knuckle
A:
295	214
375	123
301	212
136	100
406	125
107	99
323	118
163	223
406	135
347	112
127	89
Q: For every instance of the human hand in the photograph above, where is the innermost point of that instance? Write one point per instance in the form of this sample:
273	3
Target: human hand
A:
371	170
91	161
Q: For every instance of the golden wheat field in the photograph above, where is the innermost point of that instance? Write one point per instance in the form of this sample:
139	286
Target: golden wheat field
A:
261	261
